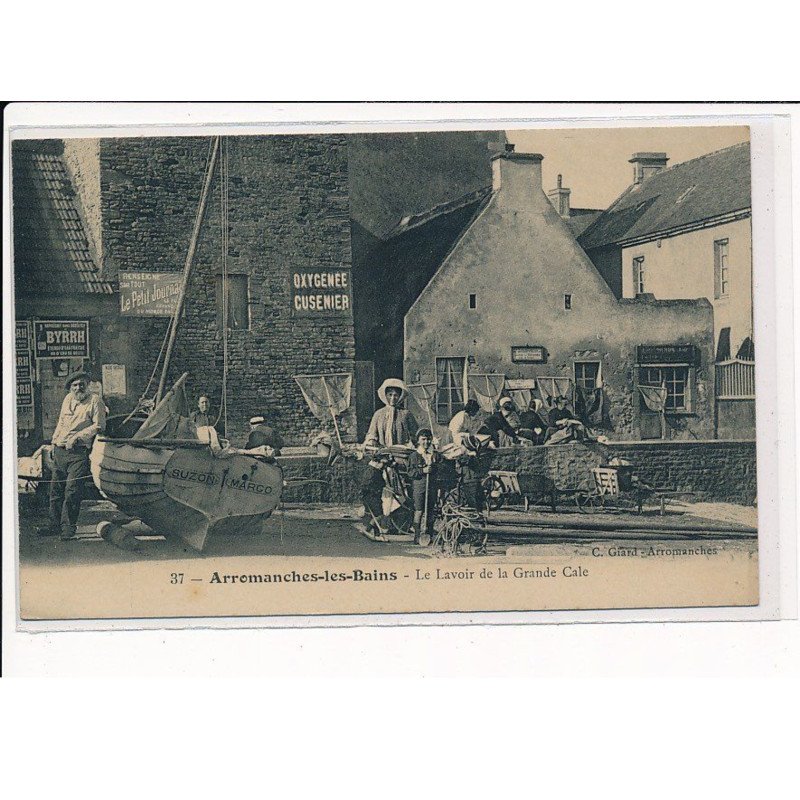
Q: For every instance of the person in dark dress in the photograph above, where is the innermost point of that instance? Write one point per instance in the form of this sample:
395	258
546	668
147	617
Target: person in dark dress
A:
565	425
504	420
532	425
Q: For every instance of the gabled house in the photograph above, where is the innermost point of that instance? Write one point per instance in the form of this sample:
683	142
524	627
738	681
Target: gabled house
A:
683	232
517	297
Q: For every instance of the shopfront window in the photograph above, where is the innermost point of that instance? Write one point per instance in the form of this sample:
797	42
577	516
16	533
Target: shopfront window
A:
674	379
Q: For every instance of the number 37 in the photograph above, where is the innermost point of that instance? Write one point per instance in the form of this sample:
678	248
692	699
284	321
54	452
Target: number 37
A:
176	577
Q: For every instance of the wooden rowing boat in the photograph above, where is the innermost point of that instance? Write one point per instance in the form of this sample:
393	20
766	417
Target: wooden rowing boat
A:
181	488
159	472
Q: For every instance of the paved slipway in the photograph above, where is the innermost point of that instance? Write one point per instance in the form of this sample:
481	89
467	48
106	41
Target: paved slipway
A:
329	530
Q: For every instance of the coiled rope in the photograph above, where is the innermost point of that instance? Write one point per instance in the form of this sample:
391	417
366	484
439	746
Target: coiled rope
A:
455	528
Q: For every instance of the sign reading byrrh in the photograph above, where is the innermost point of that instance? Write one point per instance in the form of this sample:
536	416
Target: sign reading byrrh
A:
149	294
61	338
24	375
320	292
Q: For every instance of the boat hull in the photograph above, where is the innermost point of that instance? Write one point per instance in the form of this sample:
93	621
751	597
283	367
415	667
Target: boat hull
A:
187	492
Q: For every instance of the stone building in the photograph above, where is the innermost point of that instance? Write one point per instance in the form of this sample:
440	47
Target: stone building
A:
288	224
517	297
299	210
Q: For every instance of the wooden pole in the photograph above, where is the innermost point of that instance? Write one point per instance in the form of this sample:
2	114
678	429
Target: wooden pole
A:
330	408
188	266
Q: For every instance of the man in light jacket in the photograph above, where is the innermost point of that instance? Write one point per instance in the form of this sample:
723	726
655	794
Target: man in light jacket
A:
82	417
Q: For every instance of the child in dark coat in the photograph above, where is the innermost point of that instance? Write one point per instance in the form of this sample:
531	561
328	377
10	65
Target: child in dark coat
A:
422	468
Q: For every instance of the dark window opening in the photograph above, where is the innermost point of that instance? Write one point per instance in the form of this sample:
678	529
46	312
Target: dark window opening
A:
567	301
473	301
721	272
237	292
638	275
587	374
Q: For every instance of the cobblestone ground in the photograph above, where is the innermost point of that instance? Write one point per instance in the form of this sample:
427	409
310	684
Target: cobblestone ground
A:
329	530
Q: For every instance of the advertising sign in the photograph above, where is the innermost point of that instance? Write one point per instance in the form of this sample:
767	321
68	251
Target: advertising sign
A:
149	294
115	379
321	293
24	364
23	335
668	354
61	338
24	371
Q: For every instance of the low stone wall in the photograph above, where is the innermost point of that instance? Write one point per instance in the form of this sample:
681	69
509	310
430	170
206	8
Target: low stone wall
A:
722	471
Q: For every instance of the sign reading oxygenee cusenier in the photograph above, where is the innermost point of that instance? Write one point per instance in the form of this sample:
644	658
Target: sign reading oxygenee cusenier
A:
149	294
61	338
318	292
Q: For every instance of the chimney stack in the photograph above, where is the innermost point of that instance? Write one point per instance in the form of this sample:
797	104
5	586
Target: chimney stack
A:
559	197
647	164
517	173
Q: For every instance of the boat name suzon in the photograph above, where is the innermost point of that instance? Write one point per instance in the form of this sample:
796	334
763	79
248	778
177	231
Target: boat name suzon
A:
209	479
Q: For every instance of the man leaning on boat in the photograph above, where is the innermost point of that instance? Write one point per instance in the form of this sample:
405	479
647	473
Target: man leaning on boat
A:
82	417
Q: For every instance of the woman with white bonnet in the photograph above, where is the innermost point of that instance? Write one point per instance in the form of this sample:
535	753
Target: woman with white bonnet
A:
390	426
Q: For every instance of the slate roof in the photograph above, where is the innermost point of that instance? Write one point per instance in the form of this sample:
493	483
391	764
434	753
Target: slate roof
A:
694	191
48	229
406	261
581	218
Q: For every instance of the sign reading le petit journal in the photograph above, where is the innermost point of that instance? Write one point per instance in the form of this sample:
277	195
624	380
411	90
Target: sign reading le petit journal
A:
318	292
149	294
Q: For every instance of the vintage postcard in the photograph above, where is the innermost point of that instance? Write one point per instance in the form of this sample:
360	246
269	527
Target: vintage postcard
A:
325	373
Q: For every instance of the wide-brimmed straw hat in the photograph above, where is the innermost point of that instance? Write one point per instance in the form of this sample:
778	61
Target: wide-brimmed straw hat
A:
391	383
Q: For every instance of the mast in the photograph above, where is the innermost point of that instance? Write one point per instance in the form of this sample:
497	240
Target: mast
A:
188	266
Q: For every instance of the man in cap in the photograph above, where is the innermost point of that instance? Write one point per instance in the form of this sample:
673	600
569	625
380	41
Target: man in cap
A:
262	433
390	426
82	417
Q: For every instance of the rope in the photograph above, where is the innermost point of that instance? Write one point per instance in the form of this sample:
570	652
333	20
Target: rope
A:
456	522
140	403
224	236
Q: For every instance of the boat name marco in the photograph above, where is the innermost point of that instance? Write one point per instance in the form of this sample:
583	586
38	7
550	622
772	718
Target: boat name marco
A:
209	479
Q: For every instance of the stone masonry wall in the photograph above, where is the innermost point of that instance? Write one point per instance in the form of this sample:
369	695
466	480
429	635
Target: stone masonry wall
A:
715	471
288	209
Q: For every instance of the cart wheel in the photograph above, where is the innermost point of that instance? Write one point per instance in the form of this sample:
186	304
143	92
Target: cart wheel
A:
588	502
493	492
